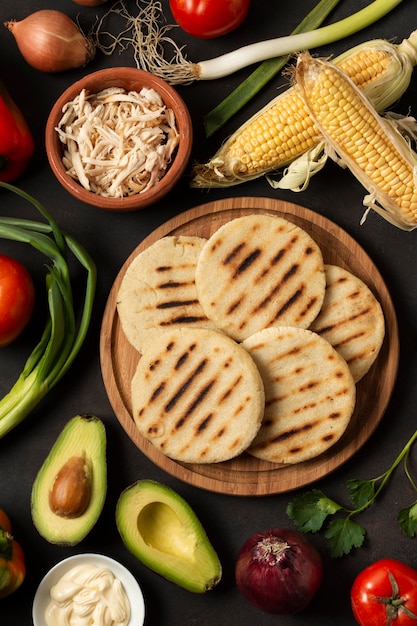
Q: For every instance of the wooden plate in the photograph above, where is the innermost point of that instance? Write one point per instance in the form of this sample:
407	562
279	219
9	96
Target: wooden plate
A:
246	475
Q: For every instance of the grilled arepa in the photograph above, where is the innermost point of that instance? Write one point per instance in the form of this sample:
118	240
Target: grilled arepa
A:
197	396
309	394
351	319
158	290
258	271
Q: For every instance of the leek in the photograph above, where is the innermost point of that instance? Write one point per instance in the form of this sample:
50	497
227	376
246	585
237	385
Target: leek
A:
62	336
217	117
184	71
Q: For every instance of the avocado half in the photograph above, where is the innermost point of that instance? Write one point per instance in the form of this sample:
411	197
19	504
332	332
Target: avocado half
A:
160	529
83	436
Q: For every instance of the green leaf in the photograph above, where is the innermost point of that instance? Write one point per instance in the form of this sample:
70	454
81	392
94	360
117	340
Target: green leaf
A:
217	117
362	492
407	519
342	535
309	510
63	334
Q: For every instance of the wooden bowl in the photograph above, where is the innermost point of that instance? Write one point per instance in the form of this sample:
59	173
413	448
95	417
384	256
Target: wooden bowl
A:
130	79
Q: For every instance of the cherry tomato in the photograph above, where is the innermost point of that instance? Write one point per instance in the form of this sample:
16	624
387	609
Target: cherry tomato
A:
385	594
17	299
209	18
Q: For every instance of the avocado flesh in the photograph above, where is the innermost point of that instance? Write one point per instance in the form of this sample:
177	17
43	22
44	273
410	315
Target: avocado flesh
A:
82	435
164	533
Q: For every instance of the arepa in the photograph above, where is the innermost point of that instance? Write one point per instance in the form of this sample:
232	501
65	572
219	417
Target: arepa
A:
258	271
197	396
309	394
158	290
351	319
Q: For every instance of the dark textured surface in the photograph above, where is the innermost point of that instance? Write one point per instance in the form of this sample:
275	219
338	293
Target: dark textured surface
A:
110	238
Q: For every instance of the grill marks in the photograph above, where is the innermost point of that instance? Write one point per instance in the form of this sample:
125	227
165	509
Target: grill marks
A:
309	394
198	398
282	296
175	290
158	291
173	295
259	271
186	385
351	319
246	264
194	397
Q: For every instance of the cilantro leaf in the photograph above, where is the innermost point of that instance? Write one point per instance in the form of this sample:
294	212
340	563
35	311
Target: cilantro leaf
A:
344	534
362	492
309	510
407	519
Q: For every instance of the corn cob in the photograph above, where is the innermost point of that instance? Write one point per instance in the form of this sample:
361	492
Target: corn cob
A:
378	155
282	131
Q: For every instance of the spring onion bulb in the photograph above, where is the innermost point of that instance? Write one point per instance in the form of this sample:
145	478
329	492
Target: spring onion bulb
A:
183	71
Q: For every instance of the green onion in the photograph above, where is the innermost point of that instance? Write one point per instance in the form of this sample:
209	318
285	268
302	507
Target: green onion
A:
184	71
63	336
217	117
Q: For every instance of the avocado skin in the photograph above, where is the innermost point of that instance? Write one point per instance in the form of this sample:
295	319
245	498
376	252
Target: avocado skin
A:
83	434
161	530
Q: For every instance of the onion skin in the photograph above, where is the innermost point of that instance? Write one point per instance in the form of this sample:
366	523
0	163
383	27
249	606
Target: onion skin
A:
279	571
51	42
90	3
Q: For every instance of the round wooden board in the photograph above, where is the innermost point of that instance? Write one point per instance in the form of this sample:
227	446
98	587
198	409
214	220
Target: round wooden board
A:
246	475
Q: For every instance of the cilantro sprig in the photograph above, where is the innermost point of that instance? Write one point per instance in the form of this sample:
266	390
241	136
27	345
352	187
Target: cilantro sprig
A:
313	511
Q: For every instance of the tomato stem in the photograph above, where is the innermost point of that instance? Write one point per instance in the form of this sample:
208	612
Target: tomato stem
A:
6	548
394	603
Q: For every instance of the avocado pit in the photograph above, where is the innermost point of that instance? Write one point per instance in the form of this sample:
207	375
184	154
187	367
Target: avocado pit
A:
71	491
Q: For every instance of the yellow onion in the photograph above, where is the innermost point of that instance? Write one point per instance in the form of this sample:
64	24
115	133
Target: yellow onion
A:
90	3
51	42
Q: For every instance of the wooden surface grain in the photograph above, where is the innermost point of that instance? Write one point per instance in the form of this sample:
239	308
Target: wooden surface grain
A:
246	475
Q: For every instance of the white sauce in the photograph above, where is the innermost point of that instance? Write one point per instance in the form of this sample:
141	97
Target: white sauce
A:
88	595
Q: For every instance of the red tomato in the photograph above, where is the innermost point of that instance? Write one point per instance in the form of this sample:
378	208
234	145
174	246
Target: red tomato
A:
5	522
209	18
17	299
385	594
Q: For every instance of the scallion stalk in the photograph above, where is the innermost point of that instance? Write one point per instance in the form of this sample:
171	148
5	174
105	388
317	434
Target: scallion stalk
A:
184	71
62	336
248	88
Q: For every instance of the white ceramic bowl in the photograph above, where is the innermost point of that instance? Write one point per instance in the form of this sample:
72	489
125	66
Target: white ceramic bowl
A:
130	584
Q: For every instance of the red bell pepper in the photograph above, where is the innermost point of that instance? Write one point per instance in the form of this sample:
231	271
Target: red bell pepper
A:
16	141
12	560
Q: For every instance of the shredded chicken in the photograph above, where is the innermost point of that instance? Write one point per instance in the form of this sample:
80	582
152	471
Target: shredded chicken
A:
117	143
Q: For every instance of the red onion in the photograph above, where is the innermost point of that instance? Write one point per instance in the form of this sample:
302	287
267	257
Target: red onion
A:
278	571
